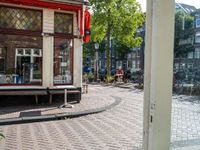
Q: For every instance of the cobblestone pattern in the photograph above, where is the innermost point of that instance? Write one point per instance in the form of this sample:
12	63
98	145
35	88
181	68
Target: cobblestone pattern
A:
89	101
117	129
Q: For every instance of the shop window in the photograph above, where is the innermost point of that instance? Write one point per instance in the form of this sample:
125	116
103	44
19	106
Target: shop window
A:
20	66
21	19
63	61
63	23
2	60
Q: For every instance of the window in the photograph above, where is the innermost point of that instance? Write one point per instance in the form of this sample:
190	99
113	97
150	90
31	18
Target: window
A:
63	23
197	22
190	55
197	52
138	64
134	64
20	65
2	60
21	19
176	66
63	61
190	66
197	37
182	66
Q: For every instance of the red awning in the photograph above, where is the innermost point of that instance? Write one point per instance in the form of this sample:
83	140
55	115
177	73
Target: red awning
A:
50	5
87	19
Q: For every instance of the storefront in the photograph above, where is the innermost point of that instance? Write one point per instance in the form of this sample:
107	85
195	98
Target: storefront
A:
41	44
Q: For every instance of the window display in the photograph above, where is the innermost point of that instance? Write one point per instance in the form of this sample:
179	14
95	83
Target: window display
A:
21	58
63	61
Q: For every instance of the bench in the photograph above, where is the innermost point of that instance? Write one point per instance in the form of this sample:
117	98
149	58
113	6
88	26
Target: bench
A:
62	91
35	93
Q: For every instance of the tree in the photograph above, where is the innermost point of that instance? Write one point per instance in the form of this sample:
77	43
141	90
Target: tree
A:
184	31
116	19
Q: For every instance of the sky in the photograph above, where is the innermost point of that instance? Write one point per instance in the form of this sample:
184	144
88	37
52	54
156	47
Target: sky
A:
195	3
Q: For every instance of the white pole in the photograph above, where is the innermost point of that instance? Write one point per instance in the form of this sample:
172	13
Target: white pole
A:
158	74
65	105
65	100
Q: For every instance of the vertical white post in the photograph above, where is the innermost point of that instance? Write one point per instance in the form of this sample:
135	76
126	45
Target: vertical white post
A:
65	97
48	48
47	72
158	74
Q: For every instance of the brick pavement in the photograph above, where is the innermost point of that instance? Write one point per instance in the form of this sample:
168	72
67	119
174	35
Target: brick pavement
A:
119	128
89	101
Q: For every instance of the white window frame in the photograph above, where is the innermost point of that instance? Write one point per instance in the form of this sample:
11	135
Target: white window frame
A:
32	55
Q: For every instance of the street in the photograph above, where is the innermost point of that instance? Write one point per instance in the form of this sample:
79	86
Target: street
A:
119	128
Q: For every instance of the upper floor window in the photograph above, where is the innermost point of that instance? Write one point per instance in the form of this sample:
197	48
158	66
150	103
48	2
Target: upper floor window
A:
63	23
197	53
20	19
190	55
197	37
197	22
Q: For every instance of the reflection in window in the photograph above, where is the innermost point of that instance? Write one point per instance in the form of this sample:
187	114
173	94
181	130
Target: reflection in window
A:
63	23
2	60
63	61
20	65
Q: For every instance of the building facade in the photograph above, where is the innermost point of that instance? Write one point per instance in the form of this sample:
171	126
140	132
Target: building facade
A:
189	64
41	43
135	59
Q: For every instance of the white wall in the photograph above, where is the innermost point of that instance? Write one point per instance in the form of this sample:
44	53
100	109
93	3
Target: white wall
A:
48	48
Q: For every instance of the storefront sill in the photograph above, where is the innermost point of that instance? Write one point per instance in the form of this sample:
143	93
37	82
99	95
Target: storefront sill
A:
62	87
21	87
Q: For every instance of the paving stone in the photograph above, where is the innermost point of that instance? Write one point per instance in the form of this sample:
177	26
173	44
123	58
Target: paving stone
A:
119	128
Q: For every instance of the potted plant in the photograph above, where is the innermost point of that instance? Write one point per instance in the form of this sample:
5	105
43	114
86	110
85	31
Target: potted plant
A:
90	77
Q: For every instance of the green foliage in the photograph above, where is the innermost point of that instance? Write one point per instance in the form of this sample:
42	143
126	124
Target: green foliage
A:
109	78
118	19
88	77
181	50
121	49
1	136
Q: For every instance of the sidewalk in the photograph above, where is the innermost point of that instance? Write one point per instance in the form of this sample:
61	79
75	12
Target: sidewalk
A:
93	102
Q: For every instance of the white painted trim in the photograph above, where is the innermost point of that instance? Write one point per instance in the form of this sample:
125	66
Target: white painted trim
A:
158	74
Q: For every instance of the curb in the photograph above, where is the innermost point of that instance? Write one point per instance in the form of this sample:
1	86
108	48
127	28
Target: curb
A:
60	116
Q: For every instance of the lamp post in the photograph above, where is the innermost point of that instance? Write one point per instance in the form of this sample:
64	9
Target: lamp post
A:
96	75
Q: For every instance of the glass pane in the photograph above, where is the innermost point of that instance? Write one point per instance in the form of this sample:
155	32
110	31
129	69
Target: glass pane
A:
64	23
63	61
23	19
19	65
37	68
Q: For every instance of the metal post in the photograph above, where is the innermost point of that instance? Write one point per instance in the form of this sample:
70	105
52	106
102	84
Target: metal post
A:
96	76
65	96
65	105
